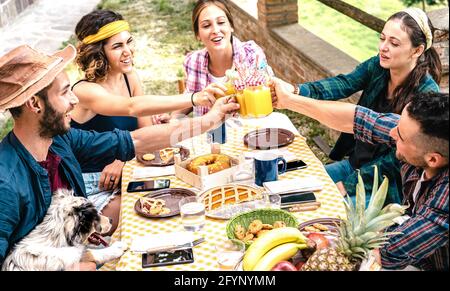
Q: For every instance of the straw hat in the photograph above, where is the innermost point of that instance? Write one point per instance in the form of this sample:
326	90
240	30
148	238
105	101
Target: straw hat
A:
25	71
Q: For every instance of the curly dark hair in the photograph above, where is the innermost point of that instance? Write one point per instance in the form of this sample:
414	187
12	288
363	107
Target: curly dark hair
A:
430	110
91	58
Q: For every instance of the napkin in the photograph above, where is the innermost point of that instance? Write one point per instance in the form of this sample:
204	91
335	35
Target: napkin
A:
294	185
141	244
149	172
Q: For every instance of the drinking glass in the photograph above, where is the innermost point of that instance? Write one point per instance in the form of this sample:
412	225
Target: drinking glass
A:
229	253
192	211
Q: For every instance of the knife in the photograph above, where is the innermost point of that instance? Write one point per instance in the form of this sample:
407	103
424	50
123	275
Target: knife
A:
176	247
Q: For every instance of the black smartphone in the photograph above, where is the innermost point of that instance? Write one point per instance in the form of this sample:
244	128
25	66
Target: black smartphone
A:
184	256
296	198
293	165
138	186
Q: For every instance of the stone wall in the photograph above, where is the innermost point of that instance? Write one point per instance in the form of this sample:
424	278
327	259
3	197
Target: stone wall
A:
440	18
297	55
9	9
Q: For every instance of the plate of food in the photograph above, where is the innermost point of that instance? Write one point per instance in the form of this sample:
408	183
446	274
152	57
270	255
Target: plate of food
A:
321	225
161	203
268	138
163	157
223	202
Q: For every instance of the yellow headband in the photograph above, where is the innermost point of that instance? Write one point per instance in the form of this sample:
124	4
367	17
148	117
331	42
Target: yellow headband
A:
107	31
422	20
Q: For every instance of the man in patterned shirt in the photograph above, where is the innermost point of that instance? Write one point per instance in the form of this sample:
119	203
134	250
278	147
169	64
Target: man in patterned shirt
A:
421	137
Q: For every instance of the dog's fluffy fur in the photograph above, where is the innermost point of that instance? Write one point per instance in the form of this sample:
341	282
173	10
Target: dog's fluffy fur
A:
60	240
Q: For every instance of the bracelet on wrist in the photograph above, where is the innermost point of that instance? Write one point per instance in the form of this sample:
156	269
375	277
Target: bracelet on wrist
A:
192	99
296	90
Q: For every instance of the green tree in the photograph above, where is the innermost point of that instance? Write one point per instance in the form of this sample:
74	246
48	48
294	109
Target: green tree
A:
424	3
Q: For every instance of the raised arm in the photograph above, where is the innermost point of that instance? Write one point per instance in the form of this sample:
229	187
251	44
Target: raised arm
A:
162	135
336	115
94	97
367	125
342	85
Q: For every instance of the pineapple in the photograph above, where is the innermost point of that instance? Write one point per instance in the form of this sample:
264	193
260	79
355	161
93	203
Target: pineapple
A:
361	232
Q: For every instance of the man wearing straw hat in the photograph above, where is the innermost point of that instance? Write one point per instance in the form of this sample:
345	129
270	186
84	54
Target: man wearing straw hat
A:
42	154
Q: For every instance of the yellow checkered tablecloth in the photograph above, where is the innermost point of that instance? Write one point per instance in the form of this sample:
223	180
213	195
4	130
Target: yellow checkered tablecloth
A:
132	225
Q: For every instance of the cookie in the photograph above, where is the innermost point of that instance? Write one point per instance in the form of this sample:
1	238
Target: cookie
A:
148	157
320	226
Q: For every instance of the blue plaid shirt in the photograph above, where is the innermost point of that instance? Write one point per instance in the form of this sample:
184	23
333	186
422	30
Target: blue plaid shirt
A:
424	239
372	79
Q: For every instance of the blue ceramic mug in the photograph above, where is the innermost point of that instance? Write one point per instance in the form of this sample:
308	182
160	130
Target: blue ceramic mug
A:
266	167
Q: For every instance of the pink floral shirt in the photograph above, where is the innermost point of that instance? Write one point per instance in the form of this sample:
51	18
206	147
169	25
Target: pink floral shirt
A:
196	66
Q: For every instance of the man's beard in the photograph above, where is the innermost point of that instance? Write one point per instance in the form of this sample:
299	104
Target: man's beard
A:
52	123
418	162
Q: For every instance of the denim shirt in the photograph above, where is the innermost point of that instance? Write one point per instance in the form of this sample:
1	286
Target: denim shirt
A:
25	193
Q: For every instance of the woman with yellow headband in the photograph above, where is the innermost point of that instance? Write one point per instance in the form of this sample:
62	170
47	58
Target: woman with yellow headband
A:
111	94
406	63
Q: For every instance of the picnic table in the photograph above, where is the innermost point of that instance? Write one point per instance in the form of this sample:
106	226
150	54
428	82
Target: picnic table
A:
132	225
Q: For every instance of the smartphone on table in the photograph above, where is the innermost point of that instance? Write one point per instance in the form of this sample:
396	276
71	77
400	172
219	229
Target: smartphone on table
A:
184	256
293	165
296	198
149	185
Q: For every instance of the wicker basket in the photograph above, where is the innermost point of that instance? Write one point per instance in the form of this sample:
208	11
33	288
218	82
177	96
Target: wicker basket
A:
266	215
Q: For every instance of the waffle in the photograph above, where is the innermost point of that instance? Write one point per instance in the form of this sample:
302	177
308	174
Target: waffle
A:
166	154
229	194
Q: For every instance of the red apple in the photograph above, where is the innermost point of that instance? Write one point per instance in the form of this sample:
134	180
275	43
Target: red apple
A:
284	266
299	265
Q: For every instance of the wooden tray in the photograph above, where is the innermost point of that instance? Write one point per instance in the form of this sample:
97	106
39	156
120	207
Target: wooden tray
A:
268	138
171	196
158	162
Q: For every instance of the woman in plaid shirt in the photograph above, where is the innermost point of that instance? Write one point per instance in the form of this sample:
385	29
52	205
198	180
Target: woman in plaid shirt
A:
213	26
420	137
406	64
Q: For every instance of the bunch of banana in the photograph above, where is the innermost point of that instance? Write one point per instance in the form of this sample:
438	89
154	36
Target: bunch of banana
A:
274	246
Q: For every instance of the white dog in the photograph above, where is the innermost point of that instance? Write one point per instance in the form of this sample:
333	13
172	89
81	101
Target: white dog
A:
60	240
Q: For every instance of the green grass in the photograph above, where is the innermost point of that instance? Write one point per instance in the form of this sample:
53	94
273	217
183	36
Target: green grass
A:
343	32
7	128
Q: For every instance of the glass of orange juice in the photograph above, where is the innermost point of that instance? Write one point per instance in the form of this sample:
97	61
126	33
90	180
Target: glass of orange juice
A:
258	101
